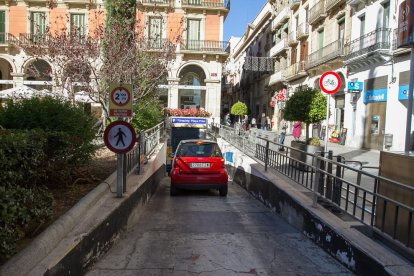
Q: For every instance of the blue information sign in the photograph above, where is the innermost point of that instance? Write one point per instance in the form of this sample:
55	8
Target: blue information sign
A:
355	85
377	95
403	92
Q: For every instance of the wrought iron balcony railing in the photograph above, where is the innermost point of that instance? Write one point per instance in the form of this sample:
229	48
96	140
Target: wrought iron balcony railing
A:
317	12
160	3
33	38
206	3
332	3
279	47
376	40
295	70
292	38
155	43
302	31
327	53
6	38
395	41
294	4
205	46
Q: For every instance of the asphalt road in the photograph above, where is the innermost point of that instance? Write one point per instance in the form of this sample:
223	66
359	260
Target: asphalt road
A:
200	233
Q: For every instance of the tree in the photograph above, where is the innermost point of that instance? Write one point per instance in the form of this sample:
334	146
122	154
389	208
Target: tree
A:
110	53
307	105
238	109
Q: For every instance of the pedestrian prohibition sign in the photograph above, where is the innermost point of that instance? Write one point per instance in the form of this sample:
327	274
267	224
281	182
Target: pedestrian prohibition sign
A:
120	137
330	82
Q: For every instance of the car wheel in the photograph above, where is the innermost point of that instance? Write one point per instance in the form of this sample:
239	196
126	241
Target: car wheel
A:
173	191
223	191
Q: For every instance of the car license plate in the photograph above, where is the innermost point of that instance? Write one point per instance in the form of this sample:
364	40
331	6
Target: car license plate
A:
199	165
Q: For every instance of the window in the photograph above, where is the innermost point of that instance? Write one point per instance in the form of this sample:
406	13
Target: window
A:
2	27
155	32
341	31
193	33
37	24
361	31
320	39
77	24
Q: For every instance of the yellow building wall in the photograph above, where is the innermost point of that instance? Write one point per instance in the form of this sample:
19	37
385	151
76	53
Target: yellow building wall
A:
18	20
212	27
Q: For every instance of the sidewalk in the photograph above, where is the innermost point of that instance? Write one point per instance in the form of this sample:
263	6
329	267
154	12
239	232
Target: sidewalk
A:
369	158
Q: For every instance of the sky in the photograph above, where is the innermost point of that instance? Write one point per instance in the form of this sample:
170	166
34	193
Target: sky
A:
242	12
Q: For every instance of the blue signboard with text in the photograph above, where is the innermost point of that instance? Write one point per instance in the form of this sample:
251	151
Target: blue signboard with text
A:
403	92
355	86
376	95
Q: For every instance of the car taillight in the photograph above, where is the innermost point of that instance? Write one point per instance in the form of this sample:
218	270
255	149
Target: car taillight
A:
177	162
223	165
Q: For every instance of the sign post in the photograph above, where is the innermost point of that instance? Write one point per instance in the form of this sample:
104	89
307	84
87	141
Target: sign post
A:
330	82
406	39
120	137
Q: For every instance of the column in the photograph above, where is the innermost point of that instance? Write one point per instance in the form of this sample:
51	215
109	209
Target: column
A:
173	92
213	98
17	79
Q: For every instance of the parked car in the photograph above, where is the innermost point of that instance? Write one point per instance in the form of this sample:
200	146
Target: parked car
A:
197	165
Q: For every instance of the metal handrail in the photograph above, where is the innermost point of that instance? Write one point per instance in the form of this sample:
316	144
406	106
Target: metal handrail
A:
355	191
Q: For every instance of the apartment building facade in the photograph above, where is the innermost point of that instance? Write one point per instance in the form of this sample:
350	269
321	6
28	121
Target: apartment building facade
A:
194	75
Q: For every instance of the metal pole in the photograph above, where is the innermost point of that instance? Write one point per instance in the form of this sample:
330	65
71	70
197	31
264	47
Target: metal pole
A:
267	155
119	175
410	105
124	172
327	122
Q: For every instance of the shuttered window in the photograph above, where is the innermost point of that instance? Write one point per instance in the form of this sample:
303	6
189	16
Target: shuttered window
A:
2	27
77	21
37	23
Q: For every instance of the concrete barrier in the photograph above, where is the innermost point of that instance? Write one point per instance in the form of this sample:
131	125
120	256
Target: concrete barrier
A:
88	230
293	202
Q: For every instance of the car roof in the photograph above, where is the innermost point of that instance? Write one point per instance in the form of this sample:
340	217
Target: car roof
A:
198	141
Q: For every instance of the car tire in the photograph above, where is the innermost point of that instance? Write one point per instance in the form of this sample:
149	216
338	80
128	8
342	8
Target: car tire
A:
173	191
223	191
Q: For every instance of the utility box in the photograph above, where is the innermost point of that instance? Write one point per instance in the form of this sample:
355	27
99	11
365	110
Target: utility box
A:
397	166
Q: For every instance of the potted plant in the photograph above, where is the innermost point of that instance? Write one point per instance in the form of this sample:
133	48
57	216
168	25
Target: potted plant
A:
239	109
307	105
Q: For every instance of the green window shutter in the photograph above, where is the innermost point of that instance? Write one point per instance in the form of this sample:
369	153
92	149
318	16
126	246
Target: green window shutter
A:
78	22
2	26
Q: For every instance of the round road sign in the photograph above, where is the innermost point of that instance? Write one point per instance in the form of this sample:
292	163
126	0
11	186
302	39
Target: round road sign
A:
330	82
120	96
120	137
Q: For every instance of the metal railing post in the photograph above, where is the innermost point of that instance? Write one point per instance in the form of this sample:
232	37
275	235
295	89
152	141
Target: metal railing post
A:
337	186
266	155
329	190
316	181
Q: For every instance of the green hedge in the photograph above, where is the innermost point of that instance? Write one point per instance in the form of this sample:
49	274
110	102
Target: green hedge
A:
22	210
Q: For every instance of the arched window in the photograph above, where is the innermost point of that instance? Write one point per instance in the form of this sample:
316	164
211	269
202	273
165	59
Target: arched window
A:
192	97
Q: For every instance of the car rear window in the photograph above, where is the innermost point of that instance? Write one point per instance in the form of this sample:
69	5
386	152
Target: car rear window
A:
198	149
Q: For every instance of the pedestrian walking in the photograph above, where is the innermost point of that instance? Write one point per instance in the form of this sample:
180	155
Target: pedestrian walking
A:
282	135
263	122
245	122
268	122
253	122
227	119
297	129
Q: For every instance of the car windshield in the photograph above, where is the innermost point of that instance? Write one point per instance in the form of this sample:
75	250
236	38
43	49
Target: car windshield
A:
198	149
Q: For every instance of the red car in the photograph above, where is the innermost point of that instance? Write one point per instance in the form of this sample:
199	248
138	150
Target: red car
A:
197	165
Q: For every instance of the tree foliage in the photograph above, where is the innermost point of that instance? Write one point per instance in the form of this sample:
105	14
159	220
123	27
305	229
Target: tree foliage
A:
238	109
307	105
147	114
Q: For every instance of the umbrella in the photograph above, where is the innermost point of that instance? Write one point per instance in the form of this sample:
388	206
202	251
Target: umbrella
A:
85	97
24	92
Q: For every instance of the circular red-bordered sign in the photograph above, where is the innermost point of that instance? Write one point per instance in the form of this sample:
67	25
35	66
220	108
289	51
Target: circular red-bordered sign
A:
330	82
120	96
120	137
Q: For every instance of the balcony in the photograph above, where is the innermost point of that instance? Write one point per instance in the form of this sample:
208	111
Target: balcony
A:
328	53
279	47
293	4
281	18
156	3
356	3
369	47
277	77
396	39
6	39
86	2
292	41
206	4
33	39
295	71
302	31
317	12
330	4
203	46
155	44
